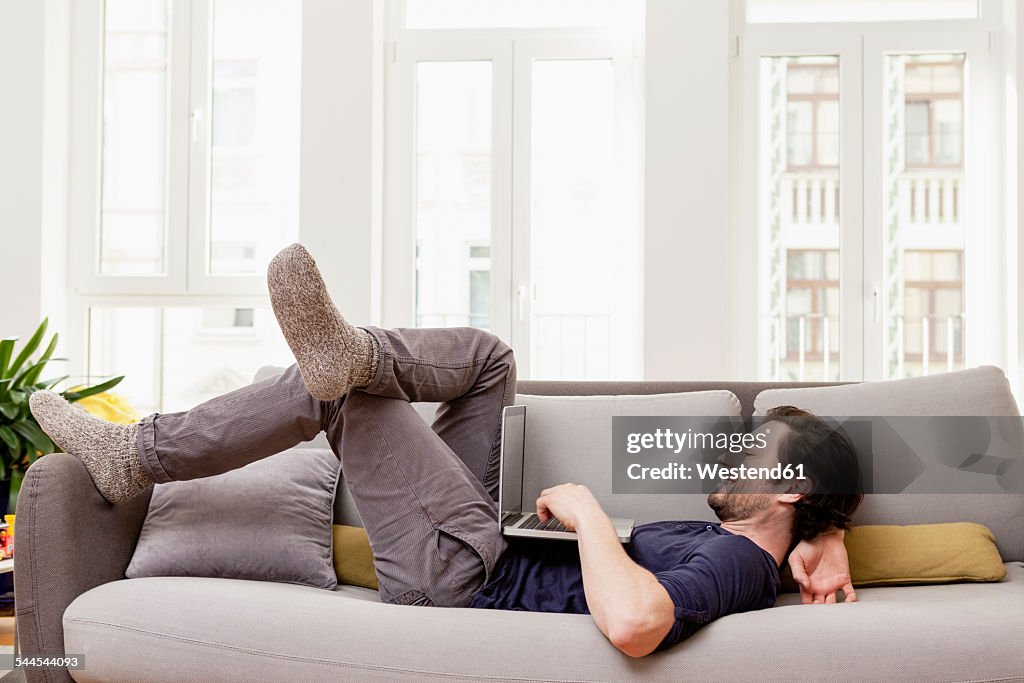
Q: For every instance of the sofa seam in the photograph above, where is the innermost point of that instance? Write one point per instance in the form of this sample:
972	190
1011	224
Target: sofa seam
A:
333	662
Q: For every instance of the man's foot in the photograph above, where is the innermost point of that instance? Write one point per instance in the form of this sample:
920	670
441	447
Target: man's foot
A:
108	450
333	355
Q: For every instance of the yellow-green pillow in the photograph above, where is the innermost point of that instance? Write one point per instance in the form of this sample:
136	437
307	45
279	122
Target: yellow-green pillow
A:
880	555
884	555
353	557
923	553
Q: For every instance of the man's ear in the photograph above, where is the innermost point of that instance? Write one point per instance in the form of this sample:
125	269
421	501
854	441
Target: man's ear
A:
790	498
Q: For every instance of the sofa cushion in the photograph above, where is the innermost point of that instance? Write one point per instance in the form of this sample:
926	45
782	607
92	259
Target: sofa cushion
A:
353	557
922	553
269	520
982	391
218	629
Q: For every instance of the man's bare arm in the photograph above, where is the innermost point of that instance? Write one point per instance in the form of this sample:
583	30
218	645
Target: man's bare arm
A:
628	604
821	567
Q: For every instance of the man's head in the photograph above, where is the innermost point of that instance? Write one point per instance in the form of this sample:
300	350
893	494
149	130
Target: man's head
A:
825	500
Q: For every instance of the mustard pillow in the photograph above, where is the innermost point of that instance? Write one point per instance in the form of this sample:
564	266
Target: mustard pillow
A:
923	553
883	555
353	557
880	555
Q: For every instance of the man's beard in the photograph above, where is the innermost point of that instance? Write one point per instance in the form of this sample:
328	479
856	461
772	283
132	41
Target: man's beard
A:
730	505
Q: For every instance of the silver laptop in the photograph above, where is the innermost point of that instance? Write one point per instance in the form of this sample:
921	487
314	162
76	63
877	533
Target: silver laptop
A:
519	517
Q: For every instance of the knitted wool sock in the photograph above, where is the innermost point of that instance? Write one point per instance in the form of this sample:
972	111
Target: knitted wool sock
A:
108	450
333	355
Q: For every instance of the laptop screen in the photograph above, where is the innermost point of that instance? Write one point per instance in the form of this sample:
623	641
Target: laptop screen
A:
513	444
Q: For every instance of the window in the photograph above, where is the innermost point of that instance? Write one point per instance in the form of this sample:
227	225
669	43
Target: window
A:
869	231
511	178
933	311
812	309
934	112
197	177
812	108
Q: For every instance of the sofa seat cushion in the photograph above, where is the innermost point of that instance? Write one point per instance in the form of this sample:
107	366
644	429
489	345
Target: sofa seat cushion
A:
197	629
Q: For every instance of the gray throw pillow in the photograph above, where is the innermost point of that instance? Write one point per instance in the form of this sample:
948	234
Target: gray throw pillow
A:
267	521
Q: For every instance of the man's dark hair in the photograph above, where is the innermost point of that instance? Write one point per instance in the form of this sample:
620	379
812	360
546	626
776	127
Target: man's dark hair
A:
830	465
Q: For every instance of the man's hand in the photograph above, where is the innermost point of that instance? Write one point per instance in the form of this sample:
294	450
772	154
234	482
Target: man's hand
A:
570	503
821	567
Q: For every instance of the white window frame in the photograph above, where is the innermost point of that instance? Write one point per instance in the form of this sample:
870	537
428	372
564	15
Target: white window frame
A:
186	281
510	52
861	48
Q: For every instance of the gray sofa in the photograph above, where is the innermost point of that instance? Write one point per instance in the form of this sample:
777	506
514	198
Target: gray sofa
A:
73	548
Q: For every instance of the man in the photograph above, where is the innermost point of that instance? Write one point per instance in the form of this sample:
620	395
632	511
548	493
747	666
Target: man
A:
427	494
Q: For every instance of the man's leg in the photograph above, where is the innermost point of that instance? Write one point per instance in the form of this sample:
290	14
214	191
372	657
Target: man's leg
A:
221	434
230	431
432	526
472	373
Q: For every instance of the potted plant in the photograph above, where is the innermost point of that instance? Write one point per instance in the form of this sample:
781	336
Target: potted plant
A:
22	441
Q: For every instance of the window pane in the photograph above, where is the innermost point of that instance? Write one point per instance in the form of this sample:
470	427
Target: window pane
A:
573	228
453	192
425	14
175	358
948	128
254	155
134	171
126	341
924	228
800	133
786	11
799	333
828	133
480	298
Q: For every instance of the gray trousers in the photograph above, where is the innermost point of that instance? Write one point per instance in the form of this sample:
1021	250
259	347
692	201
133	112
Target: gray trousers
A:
426	494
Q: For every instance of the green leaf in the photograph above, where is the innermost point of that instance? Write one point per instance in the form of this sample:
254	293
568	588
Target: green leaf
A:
90	391
8	410
30	346
50	383
6	347
8	436
34	435
33	375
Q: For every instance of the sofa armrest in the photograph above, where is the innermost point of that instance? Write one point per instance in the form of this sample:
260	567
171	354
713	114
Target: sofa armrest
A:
69	539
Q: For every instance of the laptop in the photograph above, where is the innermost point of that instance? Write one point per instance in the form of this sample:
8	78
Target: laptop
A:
519	517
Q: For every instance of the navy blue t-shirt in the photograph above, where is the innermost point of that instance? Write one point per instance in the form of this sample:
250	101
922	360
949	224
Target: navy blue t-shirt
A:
708	572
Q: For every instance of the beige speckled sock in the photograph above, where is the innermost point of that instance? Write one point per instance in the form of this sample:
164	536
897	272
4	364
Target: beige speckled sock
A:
108	450
333	355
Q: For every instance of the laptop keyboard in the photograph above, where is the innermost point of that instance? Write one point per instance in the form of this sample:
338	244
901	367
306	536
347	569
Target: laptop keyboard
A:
532	522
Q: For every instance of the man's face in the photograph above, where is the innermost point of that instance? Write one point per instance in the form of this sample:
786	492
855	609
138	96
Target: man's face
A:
743	498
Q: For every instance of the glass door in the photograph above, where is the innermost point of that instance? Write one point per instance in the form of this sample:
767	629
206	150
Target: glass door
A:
877	243
805	222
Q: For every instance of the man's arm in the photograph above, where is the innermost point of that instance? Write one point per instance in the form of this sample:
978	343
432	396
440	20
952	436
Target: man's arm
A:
821	567
628	604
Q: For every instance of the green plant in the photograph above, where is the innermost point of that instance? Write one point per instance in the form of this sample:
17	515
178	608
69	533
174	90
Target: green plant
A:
21	439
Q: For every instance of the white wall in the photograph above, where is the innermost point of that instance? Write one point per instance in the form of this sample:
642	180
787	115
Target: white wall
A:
688	327
340	202
690	331
34	62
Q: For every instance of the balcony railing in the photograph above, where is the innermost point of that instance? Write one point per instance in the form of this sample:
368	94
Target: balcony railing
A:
806	361
926	198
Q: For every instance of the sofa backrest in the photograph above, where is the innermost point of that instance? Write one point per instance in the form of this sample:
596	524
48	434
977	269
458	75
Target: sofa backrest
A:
573	439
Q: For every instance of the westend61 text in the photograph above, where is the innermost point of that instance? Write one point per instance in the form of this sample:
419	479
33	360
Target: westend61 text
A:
667	439
713	472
